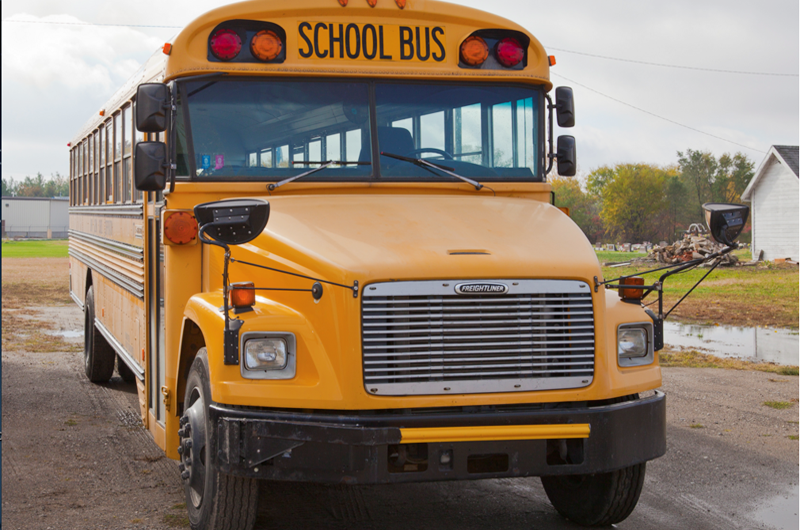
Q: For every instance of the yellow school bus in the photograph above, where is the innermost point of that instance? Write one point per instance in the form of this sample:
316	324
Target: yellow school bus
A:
319	237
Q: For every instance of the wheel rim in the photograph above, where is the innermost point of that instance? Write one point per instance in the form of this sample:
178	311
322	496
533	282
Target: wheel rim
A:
193	448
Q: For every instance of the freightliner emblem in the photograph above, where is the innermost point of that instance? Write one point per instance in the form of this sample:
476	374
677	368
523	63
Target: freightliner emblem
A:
481	288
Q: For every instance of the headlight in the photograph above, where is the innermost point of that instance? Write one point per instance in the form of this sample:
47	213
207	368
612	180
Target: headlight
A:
268	355
265	354
635	344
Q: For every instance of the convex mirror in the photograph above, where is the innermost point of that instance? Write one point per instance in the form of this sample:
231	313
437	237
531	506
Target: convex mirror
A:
565	107
152	102
725	221
233	221
565	154
150	165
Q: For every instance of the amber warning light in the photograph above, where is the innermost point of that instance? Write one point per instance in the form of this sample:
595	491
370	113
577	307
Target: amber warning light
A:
180	228
242	294
631	294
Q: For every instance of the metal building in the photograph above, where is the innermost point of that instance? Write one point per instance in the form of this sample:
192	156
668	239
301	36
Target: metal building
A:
35	217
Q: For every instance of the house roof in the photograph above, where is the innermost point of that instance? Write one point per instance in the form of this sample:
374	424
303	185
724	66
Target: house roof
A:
788	155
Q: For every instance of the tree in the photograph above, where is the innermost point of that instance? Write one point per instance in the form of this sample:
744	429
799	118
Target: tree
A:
583	208
56	186
633	200
9	187
713	180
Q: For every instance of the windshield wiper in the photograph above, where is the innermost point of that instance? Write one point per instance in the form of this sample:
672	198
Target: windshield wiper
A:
424	164
324	165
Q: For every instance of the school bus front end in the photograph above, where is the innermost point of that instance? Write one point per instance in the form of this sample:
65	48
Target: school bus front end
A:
476	346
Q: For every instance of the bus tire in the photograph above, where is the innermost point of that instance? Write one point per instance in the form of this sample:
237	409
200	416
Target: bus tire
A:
600	499
98	356
214	500
124	372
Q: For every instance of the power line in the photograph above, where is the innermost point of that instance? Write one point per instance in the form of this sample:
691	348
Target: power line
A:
656	115
91	24
672	65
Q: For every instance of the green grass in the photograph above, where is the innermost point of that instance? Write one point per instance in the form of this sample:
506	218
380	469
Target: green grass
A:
54	248
758	295
779	405
697	426
609	256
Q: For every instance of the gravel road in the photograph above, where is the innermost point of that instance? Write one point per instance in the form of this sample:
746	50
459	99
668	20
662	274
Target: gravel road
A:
75	456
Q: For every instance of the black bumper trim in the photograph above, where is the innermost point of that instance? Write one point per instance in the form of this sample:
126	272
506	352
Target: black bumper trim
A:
353	447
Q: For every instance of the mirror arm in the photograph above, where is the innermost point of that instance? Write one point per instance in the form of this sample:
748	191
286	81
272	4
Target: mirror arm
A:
550	155
172	109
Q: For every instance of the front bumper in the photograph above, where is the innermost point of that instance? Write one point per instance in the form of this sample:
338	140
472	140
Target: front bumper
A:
362	448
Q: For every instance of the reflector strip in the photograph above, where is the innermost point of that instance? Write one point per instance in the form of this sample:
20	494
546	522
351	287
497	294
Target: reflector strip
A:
492	433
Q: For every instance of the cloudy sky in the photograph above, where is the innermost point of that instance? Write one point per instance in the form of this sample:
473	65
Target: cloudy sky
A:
55	76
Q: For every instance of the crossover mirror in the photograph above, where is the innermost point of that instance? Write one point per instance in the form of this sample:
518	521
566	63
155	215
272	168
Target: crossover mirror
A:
232	221
565	154
150	166
565	107
725	221
152	102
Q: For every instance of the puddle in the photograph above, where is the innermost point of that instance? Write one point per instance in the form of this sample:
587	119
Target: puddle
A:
67	334
780	346
781	511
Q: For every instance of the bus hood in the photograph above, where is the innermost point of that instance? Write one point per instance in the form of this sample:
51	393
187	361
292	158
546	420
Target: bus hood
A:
403	237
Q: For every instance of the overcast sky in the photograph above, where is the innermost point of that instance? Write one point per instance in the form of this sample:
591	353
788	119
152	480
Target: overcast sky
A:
54	77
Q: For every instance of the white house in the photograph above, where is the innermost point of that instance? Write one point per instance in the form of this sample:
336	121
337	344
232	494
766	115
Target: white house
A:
774	200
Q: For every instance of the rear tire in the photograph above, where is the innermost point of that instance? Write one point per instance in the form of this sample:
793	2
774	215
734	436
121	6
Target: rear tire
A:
124	372
214	500
601	499
98	356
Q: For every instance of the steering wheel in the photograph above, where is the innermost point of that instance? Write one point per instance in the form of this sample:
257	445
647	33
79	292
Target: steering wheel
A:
445	154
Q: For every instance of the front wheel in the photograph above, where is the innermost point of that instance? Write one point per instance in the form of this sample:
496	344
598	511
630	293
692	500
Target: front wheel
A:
215	501
600	499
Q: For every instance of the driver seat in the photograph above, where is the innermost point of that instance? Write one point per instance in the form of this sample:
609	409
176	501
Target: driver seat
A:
395	140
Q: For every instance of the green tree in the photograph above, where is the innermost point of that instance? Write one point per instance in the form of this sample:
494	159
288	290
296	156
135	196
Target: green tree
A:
583	208
9	187
633	200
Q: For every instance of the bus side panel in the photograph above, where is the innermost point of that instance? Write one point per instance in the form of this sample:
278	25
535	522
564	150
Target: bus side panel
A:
122	313
77	281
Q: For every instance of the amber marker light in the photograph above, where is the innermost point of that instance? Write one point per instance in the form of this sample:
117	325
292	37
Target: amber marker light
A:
167	48
631	294
474	51
509	52
242	294
225	44
266	45
551	59
180	228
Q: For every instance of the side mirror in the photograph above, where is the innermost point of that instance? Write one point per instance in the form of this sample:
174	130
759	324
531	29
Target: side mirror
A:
565	154
233	221
152	102
565	107
150	161
725	221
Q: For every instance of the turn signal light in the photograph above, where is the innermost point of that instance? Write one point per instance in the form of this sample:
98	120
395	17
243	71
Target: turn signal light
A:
242	294
509	52
225	44
266	45
474	51
180	228
631	294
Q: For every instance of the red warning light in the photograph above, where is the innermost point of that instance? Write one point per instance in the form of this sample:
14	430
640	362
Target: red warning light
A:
509	52
225	44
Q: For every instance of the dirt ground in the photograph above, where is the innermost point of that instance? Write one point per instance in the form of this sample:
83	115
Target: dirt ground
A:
77	457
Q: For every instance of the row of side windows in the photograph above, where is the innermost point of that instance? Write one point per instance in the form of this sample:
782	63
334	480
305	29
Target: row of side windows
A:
101	165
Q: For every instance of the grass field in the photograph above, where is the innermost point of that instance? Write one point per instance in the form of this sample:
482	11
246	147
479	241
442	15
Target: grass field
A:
36	249
764	295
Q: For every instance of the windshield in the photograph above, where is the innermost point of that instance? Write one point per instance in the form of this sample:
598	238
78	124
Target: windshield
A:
274	129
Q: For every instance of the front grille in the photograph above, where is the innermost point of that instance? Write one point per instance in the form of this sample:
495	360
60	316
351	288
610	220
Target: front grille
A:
423	338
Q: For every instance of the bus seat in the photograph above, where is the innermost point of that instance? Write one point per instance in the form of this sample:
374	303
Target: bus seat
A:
395	140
